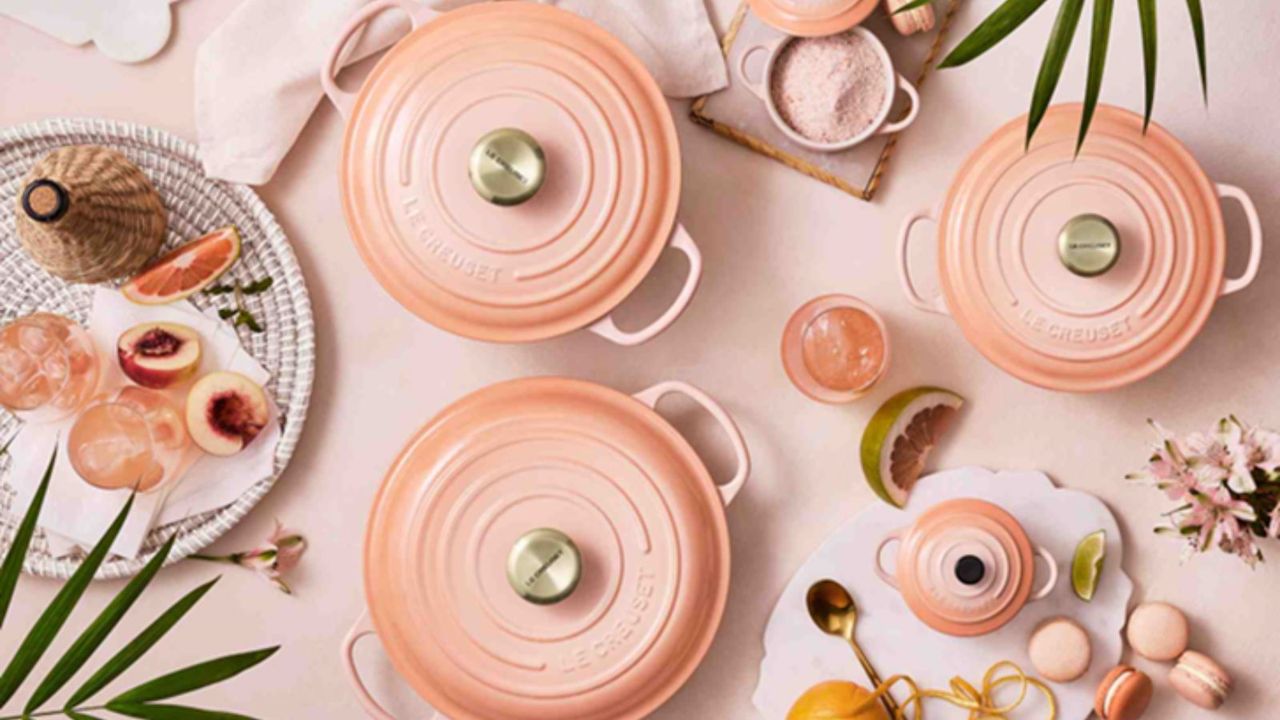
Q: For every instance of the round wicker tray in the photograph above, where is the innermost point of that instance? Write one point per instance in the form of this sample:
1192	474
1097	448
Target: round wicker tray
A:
196	204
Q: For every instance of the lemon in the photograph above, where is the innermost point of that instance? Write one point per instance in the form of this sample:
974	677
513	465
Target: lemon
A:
836	700
1086	566
900	435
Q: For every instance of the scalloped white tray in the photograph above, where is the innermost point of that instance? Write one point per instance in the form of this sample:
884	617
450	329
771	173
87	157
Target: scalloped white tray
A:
798	656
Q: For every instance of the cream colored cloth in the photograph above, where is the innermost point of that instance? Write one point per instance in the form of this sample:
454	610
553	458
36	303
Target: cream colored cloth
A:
258	74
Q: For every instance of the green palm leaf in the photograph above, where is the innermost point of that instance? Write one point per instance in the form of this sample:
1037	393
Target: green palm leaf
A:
55	616
171	712
79	715
1197	26
1055	58
139	646
1002	21
84	646
1147	17
1098	45
192	677
12	566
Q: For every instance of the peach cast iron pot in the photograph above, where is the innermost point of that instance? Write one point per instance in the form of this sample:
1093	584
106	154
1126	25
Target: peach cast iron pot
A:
965	567
606	471
812	18
1081	273
588	169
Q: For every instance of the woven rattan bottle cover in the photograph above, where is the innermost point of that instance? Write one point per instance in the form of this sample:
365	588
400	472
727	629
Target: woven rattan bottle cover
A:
87	214
1081	272
811	18
510	172
547	549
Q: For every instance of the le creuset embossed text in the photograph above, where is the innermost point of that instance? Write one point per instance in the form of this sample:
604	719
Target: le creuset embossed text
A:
1082	272
548	549
965	567
510	171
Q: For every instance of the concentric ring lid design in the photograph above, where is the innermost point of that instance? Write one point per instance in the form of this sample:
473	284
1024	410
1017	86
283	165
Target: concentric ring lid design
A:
966	567
813	18
648	557
1081	272
438	212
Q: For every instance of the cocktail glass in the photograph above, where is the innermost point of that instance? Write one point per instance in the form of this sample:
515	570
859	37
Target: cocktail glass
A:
135	440
48	367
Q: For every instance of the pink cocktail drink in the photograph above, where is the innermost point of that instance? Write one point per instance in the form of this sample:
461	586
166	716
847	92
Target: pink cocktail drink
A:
48	367
136	440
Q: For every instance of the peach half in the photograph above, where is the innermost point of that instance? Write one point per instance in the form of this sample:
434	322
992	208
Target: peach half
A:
159	355
225	412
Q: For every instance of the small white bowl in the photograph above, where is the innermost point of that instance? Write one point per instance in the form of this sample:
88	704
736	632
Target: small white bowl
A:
763	89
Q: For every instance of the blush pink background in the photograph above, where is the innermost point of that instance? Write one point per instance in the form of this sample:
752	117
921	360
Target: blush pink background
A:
772	239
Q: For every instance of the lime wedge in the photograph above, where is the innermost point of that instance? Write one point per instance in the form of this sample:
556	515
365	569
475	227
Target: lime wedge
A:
1086	566
899	437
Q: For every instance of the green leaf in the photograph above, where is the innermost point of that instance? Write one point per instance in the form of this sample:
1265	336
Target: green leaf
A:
1147	17
247	319
55	616
12	566
171	712
193	677
220	289
1002	21
226	313
912	6
139	646
258	286
1055	58
1098	45
89	641
1197	26
74	715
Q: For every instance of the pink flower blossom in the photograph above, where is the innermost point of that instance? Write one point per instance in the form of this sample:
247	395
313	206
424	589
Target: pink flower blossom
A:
277	557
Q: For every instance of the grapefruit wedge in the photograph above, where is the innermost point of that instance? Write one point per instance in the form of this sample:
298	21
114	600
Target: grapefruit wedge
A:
900	435
186	270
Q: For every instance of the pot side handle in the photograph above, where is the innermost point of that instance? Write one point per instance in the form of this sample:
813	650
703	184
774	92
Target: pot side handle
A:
418	14
650	398
937	305
609	330
363	628
1232	285
1052	582
885	575
913	111
756	88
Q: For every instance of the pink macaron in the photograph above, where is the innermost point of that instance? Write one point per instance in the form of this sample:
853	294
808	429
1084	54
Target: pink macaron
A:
1124	694
1060	650
1200	680
1157	631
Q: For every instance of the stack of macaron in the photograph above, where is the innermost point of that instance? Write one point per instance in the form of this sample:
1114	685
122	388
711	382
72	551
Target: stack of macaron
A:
1159	631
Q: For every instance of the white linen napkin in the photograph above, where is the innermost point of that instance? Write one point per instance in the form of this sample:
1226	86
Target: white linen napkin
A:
258	74
76	513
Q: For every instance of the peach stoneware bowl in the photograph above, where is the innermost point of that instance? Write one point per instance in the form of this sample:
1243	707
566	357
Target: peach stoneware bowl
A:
880	125
548	549
1081	273
510	171
965	567
813	18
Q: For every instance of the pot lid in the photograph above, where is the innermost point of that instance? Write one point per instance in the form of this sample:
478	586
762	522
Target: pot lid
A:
1081	272
510	172
547	548
812	18
966	567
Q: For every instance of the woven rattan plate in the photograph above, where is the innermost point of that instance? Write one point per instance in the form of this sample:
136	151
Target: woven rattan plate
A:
196	204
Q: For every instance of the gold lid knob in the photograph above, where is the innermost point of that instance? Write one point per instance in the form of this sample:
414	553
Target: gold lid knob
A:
507	166
1089	245
544	566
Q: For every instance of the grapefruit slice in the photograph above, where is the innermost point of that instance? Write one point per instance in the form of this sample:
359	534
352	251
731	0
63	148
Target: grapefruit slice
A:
186	270
900	435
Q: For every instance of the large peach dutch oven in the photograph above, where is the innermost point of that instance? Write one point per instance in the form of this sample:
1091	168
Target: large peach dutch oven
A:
1081	273
510	171
548	549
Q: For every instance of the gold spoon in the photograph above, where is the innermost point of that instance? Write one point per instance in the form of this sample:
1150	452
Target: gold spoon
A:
832	609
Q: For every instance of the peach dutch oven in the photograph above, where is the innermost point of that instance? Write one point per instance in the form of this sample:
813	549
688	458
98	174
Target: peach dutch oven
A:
965	567
510	171
1081	273
548	549
813	18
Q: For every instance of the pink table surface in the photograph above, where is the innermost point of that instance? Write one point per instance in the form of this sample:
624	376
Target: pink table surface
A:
772	239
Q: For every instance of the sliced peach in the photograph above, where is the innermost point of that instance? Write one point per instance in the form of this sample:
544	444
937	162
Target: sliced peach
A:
225	412
159	355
